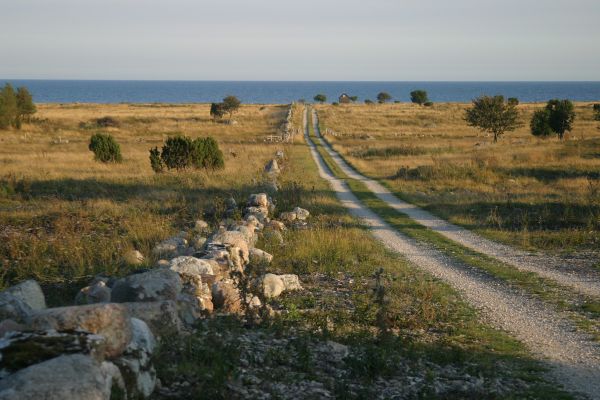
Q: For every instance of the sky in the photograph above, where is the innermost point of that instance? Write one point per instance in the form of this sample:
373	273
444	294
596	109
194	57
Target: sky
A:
367	40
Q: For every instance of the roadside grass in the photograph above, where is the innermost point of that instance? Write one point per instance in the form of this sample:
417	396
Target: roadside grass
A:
582	309
528	192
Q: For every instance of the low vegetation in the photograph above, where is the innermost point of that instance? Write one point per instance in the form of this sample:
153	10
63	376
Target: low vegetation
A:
105	148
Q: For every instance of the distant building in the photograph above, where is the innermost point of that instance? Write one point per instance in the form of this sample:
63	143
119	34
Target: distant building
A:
345	99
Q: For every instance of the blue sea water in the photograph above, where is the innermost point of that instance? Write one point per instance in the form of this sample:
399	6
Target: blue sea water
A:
92	91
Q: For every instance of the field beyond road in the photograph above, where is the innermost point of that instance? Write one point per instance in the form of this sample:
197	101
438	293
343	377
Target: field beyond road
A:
538	194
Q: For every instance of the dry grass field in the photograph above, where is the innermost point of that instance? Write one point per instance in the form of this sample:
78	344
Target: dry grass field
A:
529	192
64	215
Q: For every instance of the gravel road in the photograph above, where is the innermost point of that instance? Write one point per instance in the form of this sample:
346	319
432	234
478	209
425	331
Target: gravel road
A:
573	358
584	280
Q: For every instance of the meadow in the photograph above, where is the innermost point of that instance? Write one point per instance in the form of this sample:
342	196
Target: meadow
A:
538	194
65	217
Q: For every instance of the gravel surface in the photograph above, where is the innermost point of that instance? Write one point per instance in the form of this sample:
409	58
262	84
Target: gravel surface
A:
565	272
573	358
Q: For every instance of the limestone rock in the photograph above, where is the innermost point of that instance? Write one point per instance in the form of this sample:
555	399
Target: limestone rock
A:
291	282
108	320
258	200
154	285
201	226
234	239
260	256
96	293
226	297
30	293
135	364
272	167
8	325
276	225
272	285
301	213
191	265
68	377
160	316
170	247
134	257
288	216
11	307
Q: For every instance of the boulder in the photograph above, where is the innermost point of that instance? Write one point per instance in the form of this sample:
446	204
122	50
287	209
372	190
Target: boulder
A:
301	213
291	282
260	213
154	285
233	239
276	225
226	297
251	220
19	350
258	255
191	265
198	242
68	377
160	316
201	226
136	365
272	285
11	307
258	200
272	167
96	293
288	216
133	257
108	320
30	293
249	234
8	326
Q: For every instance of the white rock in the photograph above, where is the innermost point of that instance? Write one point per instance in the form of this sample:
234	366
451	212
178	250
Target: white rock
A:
301	213
191	265
134	257
200	226
272	285
291	282
258	200
260	255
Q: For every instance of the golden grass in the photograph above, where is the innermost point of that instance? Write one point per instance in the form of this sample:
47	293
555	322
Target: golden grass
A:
527	191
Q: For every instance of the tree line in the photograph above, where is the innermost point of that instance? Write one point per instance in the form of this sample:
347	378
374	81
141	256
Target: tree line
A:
419	97
15	106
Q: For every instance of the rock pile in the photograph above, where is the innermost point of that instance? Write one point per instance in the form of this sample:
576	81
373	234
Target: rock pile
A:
104	344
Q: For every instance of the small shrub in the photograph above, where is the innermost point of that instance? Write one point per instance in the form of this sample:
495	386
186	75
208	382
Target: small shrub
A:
105	148
321	98
419	97
513	101
106	122
177	152
367	101
156	161
384	97
181	152
597	112
335	103
428	104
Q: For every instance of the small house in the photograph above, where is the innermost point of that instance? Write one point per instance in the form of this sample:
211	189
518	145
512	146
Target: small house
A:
345	99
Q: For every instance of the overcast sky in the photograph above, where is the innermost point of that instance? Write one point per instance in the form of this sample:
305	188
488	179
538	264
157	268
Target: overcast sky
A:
394	40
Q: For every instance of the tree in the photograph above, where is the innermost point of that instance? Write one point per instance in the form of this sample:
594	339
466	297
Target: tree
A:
231	104
368	101
353	99
217	110
419	97
383	97
561	115
105	148
320	98
8	107
597	112
513	100
25	106
493	115
540	124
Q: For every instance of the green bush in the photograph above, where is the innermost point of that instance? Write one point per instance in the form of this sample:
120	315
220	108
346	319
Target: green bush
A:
181	152
540	124
513	101
428	104
105	148
419	97
597	112
156	161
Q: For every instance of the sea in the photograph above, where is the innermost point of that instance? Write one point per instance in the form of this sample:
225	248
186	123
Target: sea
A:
281	92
